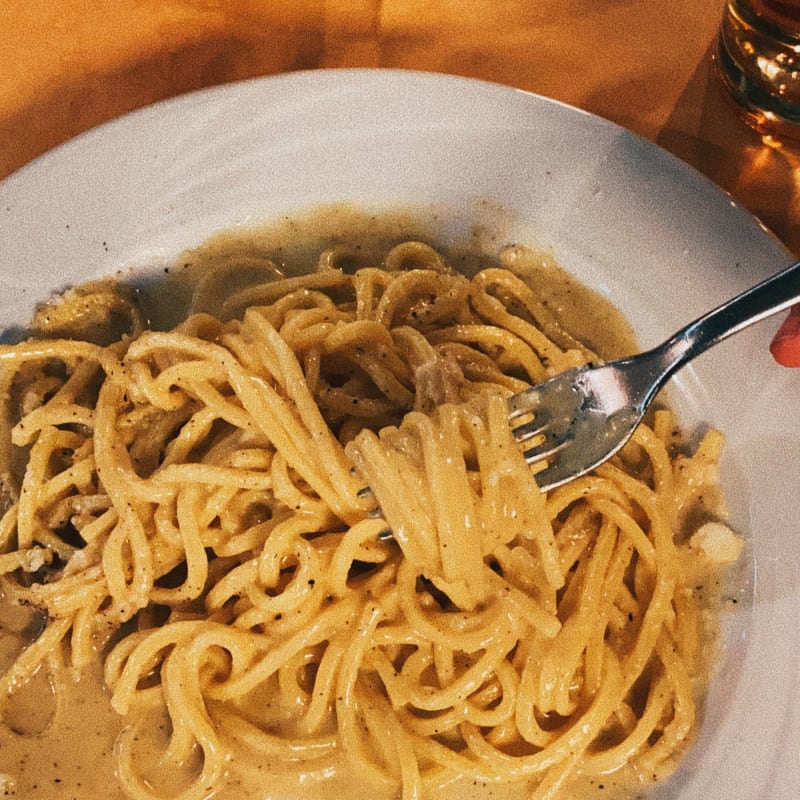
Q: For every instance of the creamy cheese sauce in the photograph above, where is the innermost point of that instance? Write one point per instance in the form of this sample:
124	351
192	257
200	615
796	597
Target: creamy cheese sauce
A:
57	737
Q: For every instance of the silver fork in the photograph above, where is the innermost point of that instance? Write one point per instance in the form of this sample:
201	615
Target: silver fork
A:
580	418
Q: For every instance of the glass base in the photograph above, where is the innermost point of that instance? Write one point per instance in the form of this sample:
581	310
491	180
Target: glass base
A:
760	69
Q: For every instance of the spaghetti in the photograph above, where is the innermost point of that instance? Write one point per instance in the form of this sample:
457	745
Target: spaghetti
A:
191	507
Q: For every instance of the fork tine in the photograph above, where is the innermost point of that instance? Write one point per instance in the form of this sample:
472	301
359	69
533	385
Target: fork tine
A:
550	476
535	427
526	402
364	493
549	447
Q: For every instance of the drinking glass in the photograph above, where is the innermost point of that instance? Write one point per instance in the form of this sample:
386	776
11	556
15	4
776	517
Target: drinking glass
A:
758	60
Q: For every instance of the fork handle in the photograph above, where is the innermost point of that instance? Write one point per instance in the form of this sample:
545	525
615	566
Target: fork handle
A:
772	295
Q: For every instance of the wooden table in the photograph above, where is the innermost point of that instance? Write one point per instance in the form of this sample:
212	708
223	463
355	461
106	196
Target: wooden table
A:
67	66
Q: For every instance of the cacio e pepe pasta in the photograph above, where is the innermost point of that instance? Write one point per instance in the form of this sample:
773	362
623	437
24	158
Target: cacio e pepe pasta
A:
299	532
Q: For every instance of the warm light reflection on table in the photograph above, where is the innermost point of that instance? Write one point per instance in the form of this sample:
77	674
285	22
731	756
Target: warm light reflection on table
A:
67	66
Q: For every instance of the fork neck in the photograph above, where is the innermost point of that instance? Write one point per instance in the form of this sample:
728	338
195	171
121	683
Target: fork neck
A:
772	295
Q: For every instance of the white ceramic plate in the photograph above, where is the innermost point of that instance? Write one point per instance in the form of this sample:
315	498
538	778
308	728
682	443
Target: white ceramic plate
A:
624	216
